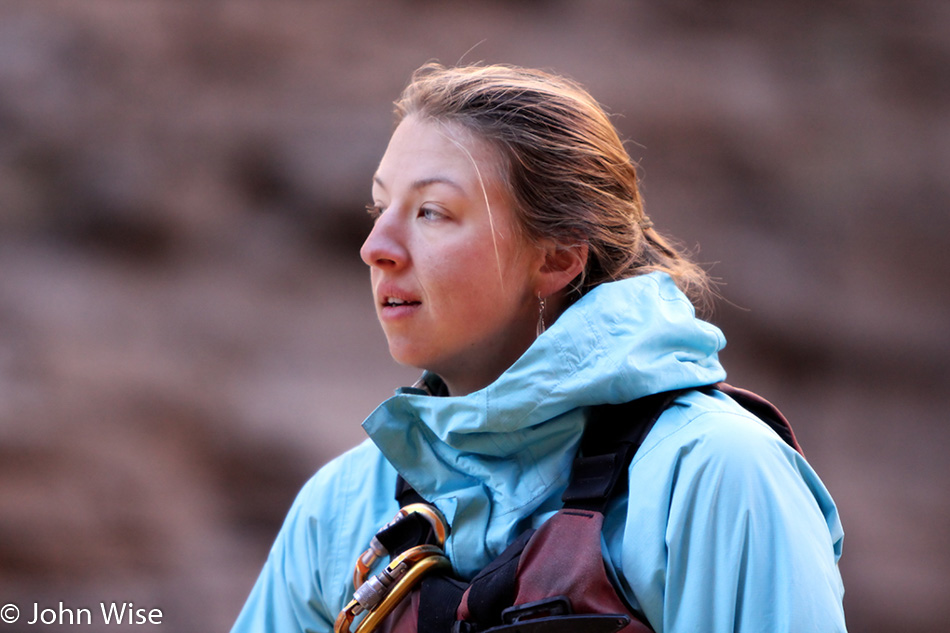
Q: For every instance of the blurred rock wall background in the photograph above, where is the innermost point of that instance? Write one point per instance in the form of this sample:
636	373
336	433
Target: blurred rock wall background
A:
185	325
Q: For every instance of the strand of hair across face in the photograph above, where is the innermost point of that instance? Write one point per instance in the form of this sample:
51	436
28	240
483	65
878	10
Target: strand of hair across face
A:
491	220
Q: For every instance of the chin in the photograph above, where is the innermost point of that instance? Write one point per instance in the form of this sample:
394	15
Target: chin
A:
407	357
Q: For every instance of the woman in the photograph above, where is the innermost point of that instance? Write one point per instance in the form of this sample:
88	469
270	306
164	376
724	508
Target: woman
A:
511	260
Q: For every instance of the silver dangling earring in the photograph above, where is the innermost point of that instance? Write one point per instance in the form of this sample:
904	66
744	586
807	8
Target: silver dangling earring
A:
541	326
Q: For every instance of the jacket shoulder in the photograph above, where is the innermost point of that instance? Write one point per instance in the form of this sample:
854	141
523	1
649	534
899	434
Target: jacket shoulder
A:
714	425
720	506
307	578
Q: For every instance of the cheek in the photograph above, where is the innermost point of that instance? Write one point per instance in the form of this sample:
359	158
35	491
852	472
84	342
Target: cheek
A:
464	289
458	276
470	279
488	300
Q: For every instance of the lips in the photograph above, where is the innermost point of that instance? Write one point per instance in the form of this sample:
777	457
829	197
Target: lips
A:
395	302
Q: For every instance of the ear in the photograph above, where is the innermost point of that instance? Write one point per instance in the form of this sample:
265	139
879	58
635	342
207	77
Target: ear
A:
561	265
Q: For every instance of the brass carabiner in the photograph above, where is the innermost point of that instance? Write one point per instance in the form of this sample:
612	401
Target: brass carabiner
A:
376	550
400	590
379	595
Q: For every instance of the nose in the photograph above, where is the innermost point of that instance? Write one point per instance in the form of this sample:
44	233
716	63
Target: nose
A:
385	247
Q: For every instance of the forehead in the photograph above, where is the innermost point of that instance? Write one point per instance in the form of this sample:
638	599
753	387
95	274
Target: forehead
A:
426	149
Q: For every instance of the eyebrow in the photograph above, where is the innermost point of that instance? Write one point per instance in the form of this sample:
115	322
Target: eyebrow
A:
422	183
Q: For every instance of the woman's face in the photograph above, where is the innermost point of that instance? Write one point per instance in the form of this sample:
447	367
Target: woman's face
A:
454	284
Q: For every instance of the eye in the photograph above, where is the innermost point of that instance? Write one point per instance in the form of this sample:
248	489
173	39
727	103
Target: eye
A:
431	213
374	211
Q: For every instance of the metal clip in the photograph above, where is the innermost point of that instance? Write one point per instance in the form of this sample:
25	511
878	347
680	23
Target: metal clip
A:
380	594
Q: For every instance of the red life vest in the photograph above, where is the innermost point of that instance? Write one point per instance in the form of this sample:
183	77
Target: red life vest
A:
554	580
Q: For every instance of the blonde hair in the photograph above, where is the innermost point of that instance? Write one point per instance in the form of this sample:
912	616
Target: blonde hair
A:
568	173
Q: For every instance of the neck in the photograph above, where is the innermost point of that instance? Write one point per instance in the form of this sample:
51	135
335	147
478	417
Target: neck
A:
464	383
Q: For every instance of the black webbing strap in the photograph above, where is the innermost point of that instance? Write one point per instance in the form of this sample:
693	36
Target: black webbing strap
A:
439	597
613	434
408	532
406	494
495	587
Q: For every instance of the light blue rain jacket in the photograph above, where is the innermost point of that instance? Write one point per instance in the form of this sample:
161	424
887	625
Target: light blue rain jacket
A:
726	528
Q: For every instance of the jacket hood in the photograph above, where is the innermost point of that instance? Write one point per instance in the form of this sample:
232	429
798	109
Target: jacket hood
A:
493	459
